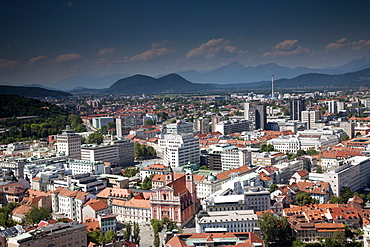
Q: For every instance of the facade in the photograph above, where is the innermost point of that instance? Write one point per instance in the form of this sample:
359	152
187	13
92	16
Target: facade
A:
257	200
296	107
69	143
353	173
177	200
180	149
58	235
115	152
136	209
102	121
201	125
310	117
233	221
85	166
268	158
234	158
233	126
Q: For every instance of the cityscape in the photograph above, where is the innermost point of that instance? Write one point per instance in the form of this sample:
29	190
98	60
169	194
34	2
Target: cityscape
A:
175	124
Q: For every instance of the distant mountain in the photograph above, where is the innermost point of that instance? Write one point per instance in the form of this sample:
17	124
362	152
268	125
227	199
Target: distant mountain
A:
41	86
141	84
310	81
237	73
88	81
31	91
355	65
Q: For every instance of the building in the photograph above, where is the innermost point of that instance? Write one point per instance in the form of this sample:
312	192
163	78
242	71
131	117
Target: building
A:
296	107
116	152
69	143
58	235
234	157
85	166
233	221
201	125
245	239
333	106
177	200
234	126
268	158
352	173
101	121
92	208
119	127
310	117
69	204
135	209
257	200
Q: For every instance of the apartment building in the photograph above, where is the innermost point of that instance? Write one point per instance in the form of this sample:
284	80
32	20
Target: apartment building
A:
69	143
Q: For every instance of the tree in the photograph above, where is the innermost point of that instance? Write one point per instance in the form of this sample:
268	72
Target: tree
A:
298	243
319	169
130	171
109	236
127	233
267	148
273	187
156	241
345	137
275	229
304	198
336	199
312	152
136	234
147	183
95	138
149	121
36	215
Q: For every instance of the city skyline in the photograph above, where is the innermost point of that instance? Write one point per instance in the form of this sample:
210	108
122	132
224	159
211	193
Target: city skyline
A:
46	41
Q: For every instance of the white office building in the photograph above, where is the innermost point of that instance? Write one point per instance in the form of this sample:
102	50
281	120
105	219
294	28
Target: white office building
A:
69	143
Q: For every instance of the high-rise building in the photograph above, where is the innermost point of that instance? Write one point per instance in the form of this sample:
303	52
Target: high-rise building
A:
261	118
179	145
296	107
69	143
201	125
310	117
333	107
119	127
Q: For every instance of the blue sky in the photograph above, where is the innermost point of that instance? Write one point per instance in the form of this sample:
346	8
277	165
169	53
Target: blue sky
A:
43	41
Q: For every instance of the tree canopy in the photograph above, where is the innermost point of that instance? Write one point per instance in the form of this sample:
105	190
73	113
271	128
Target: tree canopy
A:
275	230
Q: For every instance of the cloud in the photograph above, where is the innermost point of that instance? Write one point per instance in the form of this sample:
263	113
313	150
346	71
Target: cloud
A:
345	43
67	57
70	4
287	48
163	43
37	59
7	63
213	48
148	55
10	43
107	51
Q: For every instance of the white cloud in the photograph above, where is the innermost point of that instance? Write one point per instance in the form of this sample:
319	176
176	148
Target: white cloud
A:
107	51
213	48
148	55
345	43
7	63
287	48
37	59
67	57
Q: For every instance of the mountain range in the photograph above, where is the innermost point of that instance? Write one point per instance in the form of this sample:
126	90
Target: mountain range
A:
32	91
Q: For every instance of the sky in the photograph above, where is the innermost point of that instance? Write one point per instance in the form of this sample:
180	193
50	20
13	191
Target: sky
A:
44	41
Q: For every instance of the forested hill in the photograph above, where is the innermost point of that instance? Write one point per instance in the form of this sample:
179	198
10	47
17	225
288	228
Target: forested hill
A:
32	91
51	119
14	105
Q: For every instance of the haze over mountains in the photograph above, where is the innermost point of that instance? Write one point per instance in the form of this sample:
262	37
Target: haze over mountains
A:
230	74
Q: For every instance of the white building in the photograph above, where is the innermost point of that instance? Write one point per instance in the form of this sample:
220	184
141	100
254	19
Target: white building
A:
257	200
310	117
233	221
233	126
69	143
234	157
352	173
101	121
85	166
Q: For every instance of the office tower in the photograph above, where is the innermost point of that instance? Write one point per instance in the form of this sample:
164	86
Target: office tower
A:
261	118
69	143
296	107
310	117
119	127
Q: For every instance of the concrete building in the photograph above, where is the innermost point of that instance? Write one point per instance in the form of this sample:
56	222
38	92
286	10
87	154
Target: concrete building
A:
201	125
296	107
119	127
310	117
85	166
233	221
116	152
233	126
101	121
352	173
257	200
268	158
69	143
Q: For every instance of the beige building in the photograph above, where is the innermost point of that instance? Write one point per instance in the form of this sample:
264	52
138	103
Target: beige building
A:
58	235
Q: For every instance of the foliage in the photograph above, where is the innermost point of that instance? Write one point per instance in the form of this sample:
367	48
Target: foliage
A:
36	215
345	137
203	167
6	215
127	233
311	152
298	243
147	183
156	241
338	240
109	236
64	220
273	187
336	199
156	225
267	148
143	152
130	171
319	169
149	121
136	234
95	138
305	198
275	229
